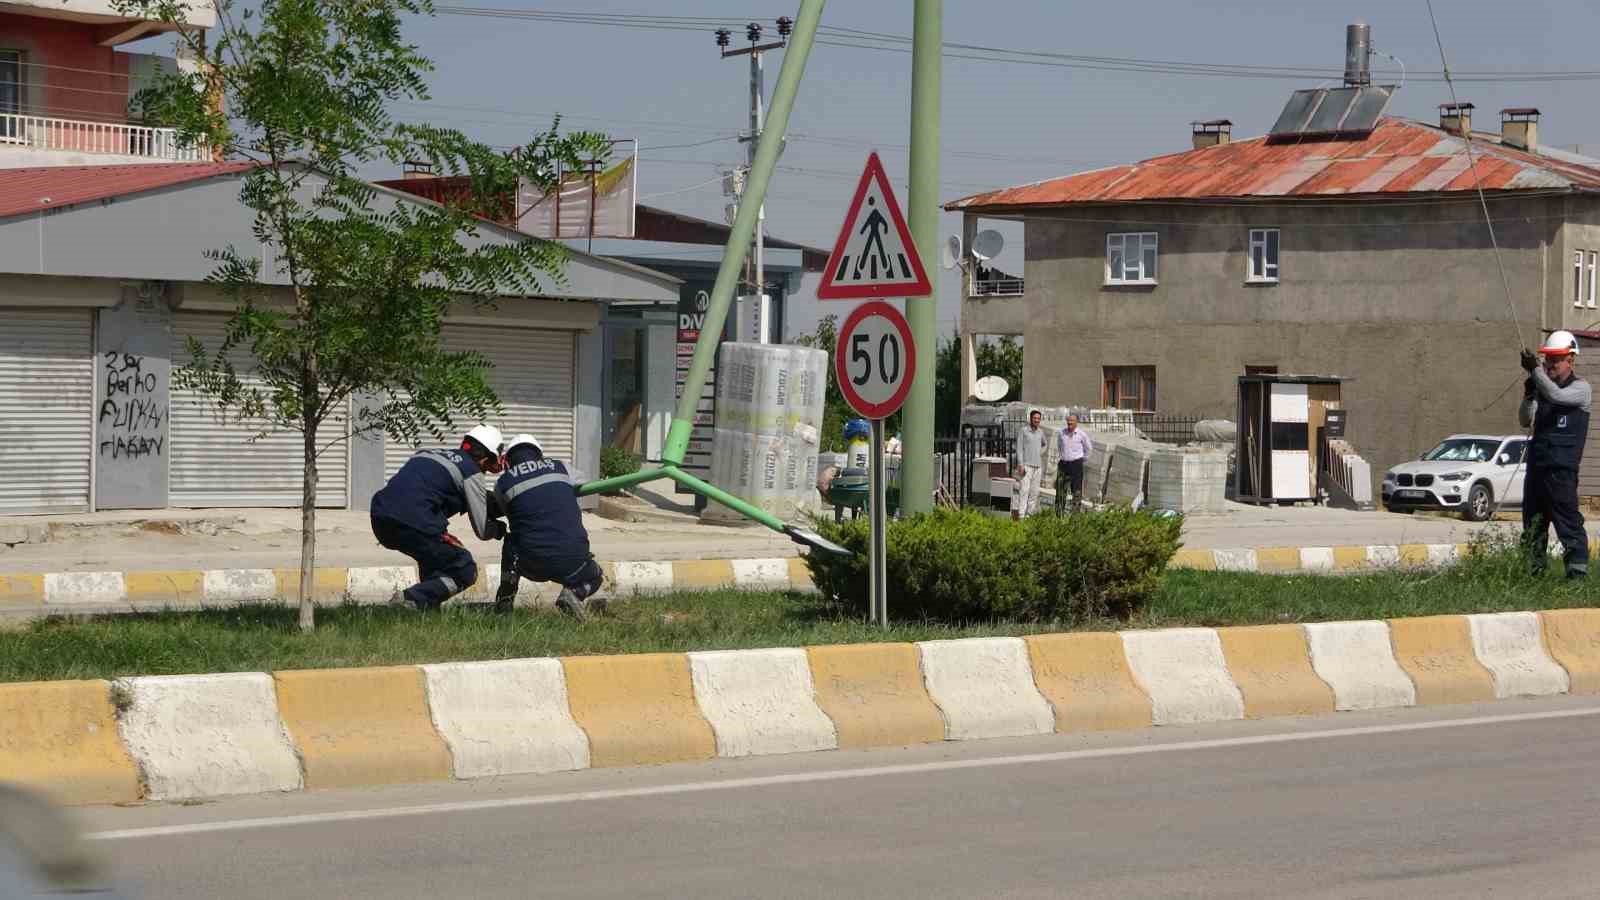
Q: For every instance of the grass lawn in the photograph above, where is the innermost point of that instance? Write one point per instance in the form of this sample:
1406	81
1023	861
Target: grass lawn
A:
263	638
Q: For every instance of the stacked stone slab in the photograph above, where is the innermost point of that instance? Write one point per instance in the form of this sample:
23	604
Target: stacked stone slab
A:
1130	465
1187	480
1097	468
1353	473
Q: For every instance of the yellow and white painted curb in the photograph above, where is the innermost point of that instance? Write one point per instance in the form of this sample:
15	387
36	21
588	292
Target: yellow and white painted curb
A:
68	592
195	736
1322	560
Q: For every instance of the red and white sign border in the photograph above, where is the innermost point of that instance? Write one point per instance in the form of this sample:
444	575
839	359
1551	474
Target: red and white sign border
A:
841	367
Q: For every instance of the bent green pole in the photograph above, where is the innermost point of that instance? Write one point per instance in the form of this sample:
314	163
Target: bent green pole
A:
744	227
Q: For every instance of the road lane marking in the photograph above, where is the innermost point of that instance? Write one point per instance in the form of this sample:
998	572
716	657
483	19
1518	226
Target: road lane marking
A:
732	784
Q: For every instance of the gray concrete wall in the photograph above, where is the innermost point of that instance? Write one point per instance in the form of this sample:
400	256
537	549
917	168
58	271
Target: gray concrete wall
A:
133	367
366	456
1581	231
1404	300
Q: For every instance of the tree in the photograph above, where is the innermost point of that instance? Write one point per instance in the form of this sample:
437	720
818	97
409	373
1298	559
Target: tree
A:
1002	357
353	300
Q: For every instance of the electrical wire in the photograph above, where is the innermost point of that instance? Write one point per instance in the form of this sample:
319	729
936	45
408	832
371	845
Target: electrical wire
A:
841	36
1472	162
1466	135
682	190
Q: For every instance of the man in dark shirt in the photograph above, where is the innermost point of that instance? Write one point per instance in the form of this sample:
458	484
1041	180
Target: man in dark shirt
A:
1555	403
547	539
411	514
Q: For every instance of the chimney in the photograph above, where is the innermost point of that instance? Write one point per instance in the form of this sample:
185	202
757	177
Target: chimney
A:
414	170
1519	128
1456	118
1212	133
1357	55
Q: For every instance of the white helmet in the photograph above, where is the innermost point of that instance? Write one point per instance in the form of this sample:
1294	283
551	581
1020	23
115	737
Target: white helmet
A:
1560	343
524	440
487	437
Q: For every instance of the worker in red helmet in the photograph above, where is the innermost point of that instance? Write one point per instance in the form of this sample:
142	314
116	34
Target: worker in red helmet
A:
1555	403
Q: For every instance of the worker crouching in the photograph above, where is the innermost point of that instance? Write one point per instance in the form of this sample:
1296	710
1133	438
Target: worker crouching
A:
411	514
547	540
1555	404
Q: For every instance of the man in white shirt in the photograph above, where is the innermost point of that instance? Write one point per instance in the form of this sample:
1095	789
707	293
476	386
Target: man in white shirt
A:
1030	462
1073	446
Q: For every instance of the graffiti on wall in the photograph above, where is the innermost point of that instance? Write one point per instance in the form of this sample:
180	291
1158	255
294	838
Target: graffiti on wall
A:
134	408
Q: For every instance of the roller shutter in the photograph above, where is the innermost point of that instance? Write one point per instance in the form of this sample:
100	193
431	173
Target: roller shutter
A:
533	377
217	464
46	409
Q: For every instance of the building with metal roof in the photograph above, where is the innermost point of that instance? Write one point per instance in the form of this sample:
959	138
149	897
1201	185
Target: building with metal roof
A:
103	282
1154	285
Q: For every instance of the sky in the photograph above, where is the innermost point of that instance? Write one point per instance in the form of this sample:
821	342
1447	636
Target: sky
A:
1004	123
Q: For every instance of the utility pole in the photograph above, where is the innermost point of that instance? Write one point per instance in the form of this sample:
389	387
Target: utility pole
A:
927	62
758	277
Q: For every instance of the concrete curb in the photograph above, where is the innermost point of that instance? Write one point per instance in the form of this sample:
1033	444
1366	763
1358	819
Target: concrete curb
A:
187	737
24	595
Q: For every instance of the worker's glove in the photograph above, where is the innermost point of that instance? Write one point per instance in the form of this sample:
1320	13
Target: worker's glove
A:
1529	361
497	530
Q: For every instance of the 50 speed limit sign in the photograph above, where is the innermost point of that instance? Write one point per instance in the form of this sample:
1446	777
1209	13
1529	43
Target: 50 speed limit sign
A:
875	360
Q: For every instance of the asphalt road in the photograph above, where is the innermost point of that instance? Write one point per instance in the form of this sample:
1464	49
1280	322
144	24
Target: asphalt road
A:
1498	800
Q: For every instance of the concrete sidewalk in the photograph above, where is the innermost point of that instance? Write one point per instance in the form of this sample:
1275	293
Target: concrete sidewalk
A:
270	539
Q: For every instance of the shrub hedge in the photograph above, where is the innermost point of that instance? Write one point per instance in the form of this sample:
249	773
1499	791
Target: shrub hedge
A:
965	566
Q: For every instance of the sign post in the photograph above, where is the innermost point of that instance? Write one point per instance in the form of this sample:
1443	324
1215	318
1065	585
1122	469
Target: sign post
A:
875	361
875	357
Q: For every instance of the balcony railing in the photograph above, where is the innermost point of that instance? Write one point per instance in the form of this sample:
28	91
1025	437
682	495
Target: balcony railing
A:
109	138
998	287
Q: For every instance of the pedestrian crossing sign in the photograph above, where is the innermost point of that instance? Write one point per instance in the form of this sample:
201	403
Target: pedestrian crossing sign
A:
874	255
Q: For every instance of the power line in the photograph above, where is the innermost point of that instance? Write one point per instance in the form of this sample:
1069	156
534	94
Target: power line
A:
840	36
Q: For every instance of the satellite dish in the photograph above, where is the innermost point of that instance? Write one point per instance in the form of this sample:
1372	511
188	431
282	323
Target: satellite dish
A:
991	388
952	252
988	244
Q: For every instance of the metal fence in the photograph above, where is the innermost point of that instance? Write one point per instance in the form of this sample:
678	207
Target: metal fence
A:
1162	428
957	453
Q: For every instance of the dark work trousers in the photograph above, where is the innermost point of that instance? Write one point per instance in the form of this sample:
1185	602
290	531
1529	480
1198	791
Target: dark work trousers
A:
1550	497
1069	475
581	577
446	567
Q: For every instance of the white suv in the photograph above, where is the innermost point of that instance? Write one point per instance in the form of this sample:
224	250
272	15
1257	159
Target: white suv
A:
1470	473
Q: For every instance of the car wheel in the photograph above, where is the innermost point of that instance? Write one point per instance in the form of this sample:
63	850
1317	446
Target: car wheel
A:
1480	503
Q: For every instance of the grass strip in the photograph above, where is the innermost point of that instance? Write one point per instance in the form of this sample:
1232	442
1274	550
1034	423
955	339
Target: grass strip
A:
263	637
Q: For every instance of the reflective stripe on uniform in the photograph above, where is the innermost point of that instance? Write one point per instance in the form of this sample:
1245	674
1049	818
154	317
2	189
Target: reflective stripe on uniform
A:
530	484
449	465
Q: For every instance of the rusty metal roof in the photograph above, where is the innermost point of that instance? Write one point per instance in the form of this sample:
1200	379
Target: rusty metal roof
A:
1399	157
53	187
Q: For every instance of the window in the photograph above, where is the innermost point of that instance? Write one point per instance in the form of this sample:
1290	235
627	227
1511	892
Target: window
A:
1263	255
1131	258
10	93
1589	294
1130	387
1577	278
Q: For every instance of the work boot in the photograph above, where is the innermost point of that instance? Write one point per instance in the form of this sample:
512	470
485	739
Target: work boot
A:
571	604
1577	573
399	600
